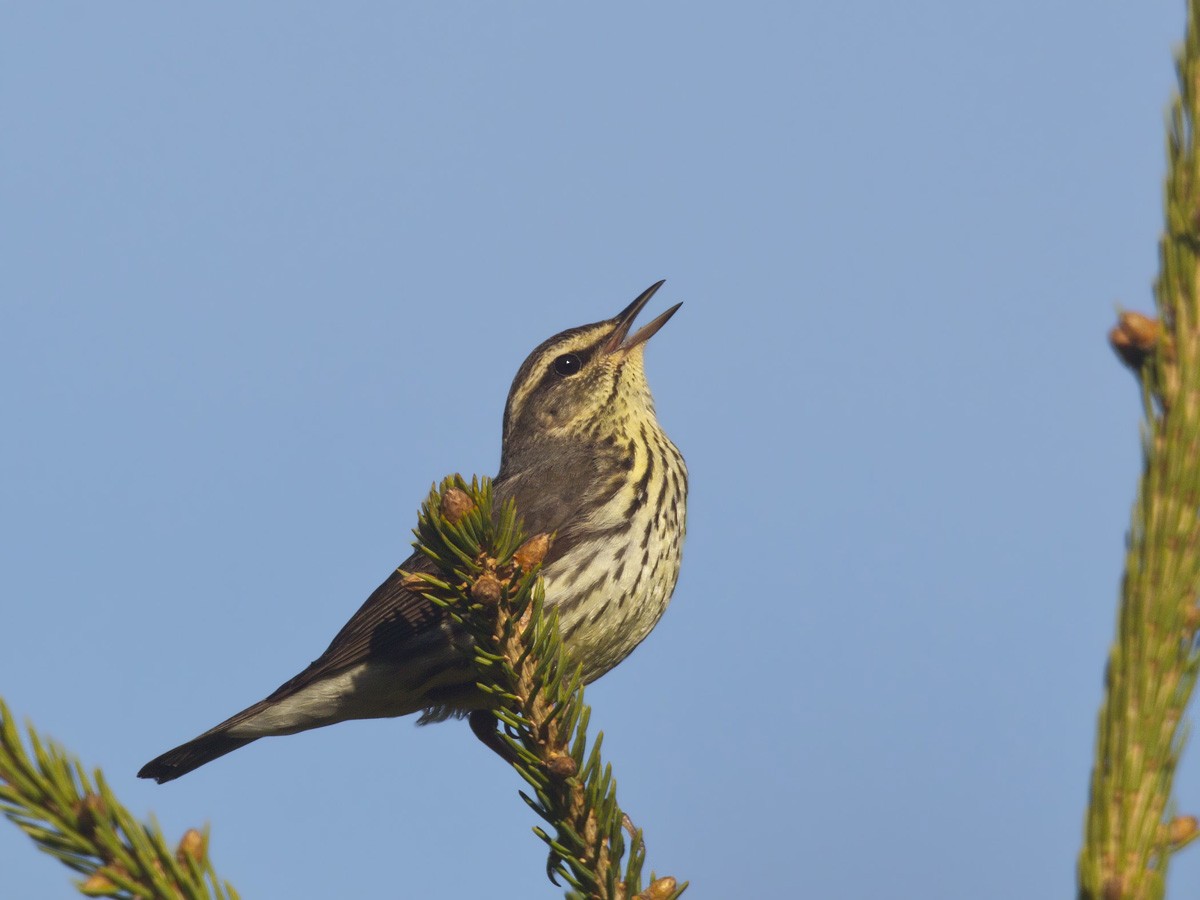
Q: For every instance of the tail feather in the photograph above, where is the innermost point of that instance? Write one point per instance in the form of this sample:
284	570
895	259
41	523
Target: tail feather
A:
192	755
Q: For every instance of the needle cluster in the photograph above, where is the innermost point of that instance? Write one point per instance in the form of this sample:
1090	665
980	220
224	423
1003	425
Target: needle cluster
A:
1131	829
488	582
76	819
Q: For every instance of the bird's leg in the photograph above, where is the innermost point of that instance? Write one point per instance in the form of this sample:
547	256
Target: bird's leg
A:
486	727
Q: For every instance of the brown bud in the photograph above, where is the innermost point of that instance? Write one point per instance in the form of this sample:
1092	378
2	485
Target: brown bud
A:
97	885
486	589
455	504
1182	829
415	582
1191	618
532	552
88	812
1134	338
660	889
562	765
191	844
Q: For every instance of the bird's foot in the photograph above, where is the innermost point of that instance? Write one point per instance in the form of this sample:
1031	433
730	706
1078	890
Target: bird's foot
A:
486	727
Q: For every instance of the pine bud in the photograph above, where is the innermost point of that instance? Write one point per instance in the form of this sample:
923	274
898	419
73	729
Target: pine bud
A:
660	889
191	844
98	884
456	503
1134	338
532	552
88	813
562	765
486	589
1182	829
416	582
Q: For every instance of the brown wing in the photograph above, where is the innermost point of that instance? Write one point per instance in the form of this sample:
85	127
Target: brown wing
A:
394	620
382	629
394	624
390	625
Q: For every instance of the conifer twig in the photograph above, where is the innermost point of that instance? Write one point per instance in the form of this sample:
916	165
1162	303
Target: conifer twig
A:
77	819
488	582
1131	829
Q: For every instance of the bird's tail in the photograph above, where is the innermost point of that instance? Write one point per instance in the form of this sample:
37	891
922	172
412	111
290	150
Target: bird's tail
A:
192	755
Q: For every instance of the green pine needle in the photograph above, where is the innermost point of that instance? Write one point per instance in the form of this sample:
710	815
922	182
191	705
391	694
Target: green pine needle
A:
78	820
521	665
538	694
1131	830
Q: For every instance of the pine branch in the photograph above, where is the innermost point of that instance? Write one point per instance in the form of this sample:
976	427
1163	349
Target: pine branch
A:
1131	831
489	584
79	821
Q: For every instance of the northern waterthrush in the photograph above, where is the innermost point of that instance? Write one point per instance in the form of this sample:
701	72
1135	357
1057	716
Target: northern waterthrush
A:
584	458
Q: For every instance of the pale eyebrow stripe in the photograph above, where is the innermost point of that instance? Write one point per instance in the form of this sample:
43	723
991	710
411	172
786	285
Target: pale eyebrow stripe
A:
584	340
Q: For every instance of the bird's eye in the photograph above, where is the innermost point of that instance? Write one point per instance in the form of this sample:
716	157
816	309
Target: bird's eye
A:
567	364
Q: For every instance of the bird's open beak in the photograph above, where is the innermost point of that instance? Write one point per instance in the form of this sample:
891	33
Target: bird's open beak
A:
624	321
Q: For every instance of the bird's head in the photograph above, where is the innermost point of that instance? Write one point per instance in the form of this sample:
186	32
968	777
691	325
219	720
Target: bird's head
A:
584	384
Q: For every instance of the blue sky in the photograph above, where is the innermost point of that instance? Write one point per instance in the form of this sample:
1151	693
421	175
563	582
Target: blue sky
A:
267	273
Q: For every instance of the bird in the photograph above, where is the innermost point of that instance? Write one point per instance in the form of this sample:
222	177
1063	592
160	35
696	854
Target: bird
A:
584	458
